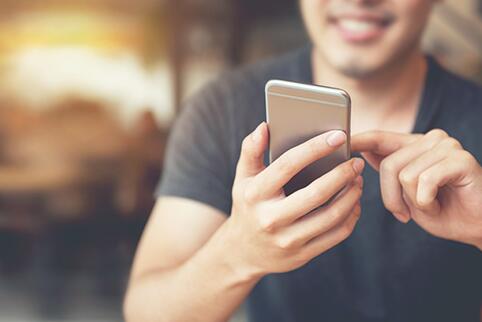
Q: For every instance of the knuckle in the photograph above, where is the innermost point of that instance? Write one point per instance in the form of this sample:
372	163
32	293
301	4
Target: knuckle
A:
312	147
387	165
425	178
349	225
335	212
390	204
466	157
285	163
250	194
346	229
357	211
406	177
286	243
266	223
457	234
302	258
359	192
437	133
313	192
347	171
452	143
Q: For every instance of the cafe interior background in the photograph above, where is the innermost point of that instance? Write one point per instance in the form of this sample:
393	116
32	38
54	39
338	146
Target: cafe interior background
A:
88	92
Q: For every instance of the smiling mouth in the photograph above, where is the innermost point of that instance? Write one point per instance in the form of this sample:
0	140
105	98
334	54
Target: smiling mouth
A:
361	28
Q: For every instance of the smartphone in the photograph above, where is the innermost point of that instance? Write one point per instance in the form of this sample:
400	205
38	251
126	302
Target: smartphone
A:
297	112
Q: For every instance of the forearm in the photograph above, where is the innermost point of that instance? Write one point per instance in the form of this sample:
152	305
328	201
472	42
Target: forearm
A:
207	287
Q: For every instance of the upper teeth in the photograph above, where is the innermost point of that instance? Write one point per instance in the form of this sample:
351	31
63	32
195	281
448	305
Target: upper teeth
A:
357	25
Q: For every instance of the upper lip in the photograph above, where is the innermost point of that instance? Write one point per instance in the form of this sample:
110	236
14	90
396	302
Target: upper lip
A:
382	18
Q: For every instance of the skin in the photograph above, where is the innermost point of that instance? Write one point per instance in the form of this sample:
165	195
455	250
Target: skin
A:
366	59
267	232
428	178
369	70
193	254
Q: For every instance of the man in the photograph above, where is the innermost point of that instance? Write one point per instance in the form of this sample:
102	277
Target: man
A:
223	231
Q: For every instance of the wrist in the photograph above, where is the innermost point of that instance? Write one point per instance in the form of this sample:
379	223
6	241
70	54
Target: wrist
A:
220	259
228	252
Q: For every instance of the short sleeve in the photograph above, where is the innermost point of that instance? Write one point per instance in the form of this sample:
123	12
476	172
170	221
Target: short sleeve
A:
198	164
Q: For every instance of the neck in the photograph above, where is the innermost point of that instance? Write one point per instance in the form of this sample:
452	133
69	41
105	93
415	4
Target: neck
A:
393	90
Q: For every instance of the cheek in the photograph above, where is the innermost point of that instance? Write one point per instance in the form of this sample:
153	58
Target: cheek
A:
314	4
415	6
414	13
313	12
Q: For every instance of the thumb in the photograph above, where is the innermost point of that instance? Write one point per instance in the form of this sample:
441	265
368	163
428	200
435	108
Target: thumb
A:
251	159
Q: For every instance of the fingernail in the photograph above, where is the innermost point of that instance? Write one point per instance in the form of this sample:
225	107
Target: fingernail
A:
256	135
336	138
358	165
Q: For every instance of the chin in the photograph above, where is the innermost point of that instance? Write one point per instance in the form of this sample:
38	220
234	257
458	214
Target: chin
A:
356	71
355	64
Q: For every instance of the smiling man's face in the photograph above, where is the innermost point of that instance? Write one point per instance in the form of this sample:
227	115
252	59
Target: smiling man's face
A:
360	38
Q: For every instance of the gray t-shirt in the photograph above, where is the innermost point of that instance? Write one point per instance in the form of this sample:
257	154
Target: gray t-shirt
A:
385	271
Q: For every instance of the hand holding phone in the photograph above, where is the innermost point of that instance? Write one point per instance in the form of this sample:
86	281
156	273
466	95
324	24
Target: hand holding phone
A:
298	112
269	232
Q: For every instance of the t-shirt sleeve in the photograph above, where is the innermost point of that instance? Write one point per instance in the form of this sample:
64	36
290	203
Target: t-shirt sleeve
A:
198	164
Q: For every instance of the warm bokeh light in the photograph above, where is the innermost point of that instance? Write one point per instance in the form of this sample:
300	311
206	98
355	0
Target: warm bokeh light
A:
54	28
40	77
51	55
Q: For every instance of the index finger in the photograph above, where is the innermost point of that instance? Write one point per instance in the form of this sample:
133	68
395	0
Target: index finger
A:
277	174
381	142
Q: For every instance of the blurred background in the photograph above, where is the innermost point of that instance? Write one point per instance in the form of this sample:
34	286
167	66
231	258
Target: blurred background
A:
88	92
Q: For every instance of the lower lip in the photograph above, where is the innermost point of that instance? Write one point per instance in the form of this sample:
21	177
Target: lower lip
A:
360	36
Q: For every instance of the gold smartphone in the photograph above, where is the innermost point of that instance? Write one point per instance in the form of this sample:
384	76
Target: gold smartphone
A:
296	112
